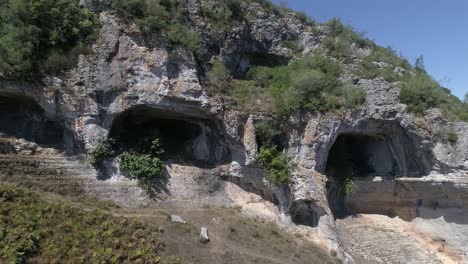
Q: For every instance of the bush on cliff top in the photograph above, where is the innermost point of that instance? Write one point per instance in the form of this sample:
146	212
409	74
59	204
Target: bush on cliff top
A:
165	16
421	93
311	84
340	39
33	30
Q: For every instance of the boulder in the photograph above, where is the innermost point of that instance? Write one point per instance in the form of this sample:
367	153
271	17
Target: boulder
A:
204	235
177	219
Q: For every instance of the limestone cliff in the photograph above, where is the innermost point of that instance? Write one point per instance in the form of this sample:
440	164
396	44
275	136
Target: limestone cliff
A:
128	81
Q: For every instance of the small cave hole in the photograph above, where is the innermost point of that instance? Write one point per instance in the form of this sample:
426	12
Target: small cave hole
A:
306	213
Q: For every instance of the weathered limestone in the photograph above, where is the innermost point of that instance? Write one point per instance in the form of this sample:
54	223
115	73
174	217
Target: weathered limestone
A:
104	94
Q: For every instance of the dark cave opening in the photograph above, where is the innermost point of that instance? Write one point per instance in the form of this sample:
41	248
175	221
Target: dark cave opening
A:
184	139
22	117
356	156
306	213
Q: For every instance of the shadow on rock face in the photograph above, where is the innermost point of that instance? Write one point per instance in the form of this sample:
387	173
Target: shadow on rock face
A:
22	117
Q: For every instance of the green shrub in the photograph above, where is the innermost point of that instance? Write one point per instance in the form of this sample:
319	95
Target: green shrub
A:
223	13
448	134
101	151
293	45
421	93
282	10
142	167
369	70
164	16
275	164
388	55
218	77
302	85
59	60
340	39
131	8
33	230
267	133
339	48
32	30
353	96
154	148
349	186
180	35
250	97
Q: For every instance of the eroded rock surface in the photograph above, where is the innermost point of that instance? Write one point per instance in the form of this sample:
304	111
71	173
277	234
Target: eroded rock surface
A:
126	86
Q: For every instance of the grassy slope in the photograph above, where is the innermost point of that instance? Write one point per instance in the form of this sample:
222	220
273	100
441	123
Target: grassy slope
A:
35	230
42	227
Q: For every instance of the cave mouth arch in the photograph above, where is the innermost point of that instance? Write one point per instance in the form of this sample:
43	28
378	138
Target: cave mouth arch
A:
185	139
22	117
389	154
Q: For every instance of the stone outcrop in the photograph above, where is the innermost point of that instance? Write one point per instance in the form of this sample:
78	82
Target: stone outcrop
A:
125	83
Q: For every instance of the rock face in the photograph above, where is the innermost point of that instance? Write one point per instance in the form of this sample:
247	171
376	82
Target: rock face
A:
125	87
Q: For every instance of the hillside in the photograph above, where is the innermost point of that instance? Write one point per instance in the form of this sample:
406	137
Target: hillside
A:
287	138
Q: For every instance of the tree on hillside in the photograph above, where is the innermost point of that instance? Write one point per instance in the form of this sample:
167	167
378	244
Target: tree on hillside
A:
419	64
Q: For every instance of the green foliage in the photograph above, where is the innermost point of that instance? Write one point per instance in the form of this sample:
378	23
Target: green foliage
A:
144	163
340	39
218	77
101	151
389	56
59	60
33	230
154	148
339	48
370	70
250	97
293	45
282	10
448	134
143	167
165	16
353	96
267	132
223	13
419	64
422	93
180	35
275	164
349	186
302	85
31	31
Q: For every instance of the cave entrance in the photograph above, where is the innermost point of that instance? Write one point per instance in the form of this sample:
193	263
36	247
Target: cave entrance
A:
306	213
22	117
184	139
356	156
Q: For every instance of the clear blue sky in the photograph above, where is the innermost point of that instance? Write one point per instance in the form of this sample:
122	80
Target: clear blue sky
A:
436	29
